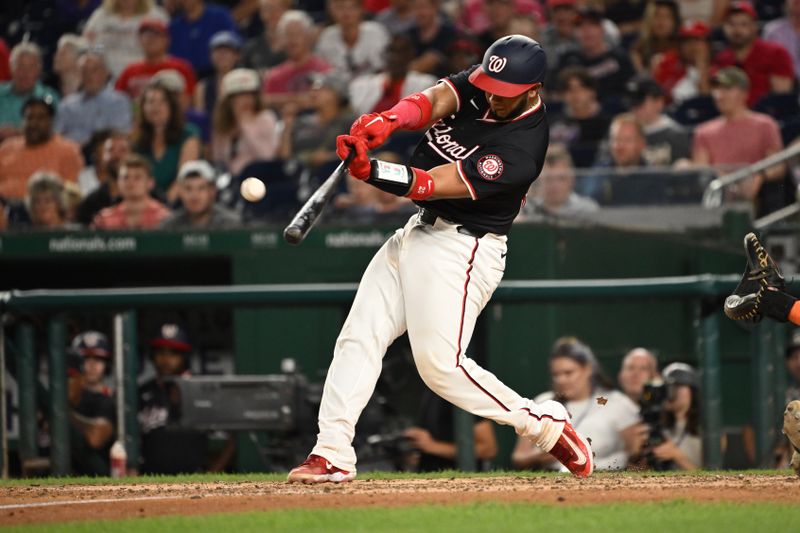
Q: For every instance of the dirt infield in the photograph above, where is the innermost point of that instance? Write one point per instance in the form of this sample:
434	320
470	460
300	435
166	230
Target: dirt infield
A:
38	504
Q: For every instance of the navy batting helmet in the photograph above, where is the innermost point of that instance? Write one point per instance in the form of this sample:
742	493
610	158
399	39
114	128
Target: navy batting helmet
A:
511	66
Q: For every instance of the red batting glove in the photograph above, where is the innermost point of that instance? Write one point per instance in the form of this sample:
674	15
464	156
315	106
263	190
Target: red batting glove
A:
360	166
374	128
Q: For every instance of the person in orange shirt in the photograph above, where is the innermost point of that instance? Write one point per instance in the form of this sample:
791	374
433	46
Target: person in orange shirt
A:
38	148
137	210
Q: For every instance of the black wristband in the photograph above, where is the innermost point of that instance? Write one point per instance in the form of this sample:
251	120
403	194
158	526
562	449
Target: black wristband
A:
777	304
390	177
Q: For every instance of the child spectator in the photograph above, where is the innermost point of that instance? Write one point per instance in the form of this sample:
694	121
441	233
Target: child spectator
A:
38	148
114	27
137	209
225	48
198	194
191	30
96	106
604	415
352	45
163	137
26	69
92	409
290	81
266	50
244	132
154	39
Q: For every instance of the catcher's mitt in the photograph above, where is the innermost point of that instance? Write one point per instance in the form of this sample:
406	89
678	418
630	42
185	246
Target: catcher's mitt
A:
760	291
791	428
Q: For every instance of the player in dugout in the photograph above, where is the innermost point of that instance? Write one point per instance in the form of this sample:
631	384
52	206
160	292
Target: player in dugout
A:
486	139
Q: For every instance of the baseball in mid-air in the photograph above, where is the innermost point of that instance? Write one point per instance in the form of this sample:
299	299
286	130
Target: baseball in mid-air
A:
253	189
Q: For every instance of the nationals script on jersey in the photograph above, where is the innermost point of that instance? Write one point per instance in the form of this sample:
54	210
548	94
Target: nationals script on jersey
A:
497	159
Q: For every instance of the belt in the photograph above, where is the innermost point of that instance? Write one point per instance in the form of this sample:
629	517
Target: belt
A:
429	218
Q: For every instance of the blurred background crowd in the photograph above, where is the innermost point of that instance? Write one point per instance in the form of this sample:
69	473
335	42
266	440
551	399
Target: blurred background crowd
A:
103	103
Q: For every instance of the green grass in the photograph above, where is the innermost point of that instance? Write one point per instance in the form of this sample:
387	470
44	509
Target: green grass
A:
682	516
237	478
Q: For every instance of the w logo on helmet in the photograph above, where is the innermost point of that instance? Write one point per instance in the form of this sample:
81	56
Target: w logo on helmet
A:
496	63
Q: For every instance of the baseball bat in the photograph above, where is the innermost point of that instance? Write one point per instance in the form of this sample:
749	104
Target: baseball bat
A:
307	216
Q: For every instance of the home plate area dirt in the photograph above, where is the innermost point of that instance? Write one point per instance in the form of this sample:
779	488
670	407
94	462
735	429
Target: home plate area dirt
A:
39	504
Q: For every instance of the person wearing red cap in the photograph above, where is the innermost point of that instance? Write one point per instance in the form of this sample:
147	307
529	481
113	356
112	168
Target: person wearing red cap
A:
485	144
685	73
768	65
785	31
154	38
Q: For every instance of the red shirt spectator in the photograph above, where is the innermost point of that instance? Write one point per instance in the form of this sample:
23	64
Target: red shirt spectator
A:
768	65
5	70
151	215
154	38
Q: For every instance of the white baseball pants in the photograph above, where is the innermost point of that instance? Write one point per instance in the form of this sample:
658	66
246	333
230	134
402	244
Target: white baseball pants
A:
433	282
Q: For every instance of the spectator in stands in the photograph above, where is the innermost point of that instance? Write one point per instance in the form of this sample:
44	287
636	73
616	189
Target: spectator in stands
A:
785	32
463	53
610	66
266	50
434	439
137	209
163	137
767	65
682	448
191	30
583	125
709	12
667	142
398	17
686	73
659	34
114	27
558	35
66	75
474	17
38	148
45	204
639	366
97	106
198	193
5	69
311	137
720	143
432	34
500	14
92	412
627	16
290	81
352	45
170	450
244	132
554	192
114	150
26	69
225	47
154	38
603	414
379	92
627	142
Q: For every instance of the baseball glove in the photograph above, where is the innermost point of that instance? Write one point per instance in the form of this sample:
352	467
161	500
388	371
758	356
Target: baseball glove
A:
791	428
760	290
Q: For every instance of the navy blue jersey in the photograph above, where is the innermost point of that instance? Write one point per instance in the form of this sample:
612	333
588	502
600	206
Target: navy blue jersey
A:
497	159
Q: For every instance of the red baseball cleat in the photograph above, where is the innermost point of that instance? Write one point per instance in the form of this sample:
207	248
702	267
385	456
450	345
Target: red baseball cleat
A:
317	469
574	452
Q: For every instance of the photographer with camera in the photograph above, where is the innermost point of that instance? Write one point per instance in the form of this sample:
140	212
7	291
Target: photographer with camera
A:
671	421
604	415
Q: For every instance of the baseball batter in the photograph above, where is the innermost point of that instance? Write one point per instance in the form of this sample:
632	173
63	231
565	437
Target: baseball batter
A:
485	145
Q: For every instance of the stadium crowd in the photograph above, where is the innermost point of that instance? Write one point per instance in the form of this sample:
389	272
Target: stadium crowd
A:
108	108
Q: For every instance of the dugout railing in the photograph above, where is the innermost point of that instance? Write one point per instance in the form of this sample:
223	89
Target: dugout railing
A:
705	292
